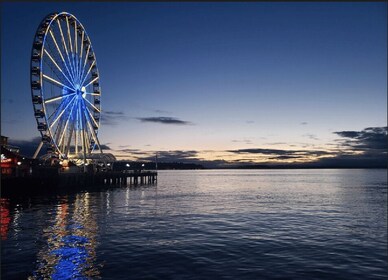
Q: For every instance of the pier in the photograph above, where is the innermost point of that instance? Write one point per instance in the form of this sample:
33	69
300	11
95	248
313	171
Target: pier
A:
49	180
111	178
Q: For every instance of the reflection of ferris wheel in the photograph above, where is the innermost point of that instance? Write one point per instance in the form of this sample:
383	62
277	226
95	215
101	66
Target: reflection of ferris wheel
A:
65	87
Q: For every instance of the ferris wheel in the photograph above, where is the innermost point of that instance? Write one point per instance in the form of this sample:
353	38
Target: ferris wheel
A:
65	88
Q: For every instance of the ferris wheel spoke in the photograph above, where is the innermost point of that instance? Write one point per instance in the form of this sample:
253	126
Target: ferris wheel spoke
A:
64	103
57	131
60	53
71	48
87	73
63	37
66	124
71	131
86	58
57	109
94	107
68	33
61	113
64	45
86	137
92	131
80	126
55	82
59	97
76	48
83	144
88	143
80	56
57	76
91	128
92	81
91	116
59	68
76	128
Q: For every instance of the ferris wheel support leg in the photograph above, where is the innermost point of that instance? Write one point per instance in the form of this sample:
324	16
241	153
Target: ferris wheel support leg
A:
38	150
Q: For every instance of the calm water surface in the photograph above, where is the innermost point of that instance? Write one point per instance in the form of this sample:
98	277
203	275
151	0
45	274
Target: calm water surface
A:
213	224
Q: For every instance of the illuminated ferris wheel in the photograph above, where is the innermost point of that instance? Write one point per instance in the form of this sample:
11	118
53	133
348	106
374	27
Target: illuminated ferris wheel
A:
65	88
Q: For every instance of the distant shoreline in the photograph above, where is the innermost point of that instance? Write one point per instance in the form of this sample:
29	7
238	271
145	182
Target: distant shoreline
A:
266	168
123	165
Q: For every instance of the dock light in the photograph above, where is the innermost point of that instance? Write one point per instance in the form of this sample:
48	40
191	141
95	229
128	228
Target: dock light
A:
108	164
19	163
142	165
61	162
127	165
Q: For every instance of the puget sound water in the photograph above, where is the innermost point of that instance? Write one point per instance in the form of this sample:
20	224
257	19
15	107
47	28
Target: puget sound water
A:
209	224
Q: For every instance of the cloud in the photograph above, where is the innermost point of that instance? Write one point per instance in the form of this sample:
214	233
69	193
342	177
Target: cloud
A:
285	157
124	146
185	156
303	123
369	140
182	156
112	117
27	147
245	141
105	147
113	113
311	136
348	134
250	122
277	143
365	148
189	156
177	155
164	120
281	152
359	149
161	112
132	151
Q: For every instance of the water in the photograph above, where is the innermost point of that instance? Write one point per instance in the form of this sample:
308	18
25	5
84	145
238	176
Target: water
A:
212	224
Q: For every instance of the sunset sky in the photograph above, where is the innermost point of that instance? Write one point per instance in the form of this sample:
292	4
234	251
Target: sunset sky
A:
219	83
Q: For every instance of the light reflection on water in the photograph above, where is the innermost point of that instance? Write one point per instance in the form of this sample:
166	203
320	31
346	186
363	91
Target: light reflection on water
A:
213	224
70	251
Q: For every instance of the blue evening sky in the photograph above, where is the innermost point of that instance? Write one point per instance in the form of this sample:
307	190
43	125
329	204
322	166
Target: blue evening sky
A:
243	75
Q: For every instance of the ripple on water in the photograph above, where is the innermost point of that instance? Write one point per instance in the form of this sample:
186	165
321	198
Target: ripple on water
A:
222	224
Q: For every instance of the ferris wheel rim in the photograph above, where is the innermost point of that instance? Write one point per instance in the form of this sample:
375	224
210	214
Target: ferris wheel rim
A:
46	25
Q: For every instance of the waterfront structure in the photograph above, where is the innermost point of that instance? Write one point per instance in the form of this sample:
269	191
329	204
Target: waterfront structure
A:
65	89
12	163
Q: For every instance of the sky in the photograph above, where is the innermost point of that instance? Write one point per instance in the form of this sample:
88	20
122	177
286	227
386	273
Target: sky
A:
220	83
